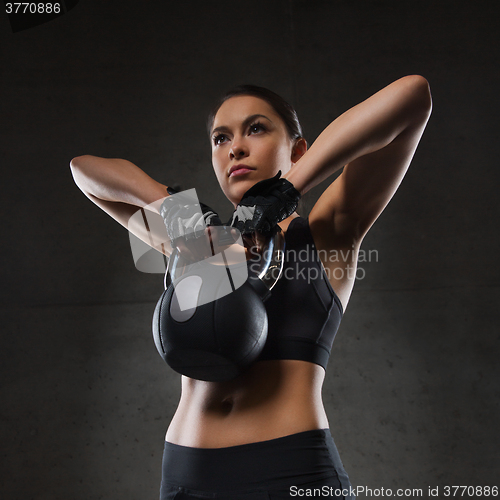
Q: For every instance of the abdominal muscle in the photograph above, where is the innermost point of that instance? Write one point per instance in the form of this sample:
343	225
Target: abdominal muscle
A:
271	399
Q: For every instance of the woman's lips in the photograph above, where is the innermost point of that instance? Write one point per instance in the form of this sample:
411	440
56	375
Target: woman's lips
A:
239	170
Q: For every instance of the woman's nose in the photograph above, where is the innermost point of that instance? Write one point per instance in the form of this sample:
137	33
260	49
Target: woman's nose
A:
238	149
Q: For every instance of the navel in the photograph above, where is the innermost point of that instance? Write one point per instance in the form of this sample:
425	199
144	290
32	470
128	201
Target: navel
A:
227	405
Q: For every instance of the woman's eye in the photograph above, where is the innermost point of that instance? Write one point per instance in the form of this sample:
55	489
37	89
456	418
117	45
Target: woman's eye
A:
219	139
256	127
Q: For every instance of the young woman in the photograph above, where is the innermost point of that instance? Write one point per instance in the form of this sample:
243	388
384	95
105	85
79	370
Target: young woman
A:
265	434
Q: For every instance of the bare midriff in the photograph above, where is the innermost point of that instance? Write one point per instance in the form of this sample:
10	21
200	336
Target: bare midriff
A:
271	399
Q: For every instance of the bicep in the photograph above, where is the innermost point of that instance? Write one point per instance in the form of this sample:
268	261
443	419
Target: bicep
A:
145	224
354	201
126	193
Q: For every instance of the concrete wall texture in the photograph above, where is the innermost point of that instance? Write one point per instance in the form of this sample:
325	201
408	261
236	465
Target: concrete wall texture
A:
412	389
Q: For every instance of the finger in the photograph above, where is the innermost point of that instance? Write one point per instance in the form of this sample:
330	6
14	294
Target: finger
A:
260	240
251	245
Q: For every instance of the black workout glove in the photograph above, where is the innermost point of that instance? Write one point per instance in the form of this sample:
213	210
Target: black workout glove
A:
264	205
183	219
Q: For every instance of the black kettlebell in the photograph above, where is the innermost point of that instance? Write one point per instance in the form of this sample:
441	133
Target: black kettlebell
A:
216	340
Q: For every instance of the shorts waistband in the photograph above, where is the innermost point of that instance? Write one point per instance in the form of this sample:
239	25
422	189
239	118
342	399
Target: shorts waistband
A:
303	456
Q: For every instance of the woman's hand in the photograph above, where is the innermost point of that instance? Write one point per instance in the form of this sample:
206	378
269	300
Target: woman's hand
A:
187	221
264	205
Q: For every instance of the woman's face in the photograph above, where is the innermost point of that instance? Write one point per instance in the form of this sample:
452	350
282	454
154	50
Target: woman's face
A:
249	143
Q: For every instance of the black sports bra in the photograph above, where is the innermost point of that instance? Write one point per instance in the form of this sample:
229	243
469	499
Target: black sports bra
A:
304	311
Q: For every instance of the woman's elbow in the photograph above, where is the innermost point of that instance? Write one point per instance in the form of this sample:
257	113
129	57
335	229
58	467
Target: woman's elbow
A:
420	94
76	166
77	162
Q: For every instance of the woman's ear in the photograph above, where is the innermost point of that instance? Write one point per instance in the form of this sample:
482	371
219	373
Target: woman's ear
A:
298	150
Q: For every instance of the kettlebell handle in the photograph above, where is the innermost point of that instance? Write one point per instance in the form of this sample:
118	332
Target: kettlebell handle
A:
272	259
270	267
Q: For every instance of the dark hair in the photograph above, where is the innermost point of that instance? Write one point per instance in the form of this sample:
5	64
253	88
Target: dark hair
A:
282	108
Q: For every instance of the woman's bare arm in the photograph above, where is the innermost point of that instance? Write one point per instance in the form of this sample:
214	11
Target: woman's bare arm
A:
375	140
121	189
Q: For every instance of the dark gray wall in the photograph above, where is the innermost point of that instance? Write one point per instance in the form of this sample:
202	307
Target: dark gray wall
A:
412	390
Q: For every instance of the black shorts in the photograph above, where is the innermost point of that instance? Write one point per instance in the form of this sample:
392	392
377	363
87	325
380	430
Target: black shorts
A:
285	467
